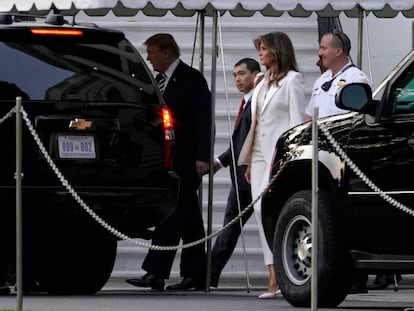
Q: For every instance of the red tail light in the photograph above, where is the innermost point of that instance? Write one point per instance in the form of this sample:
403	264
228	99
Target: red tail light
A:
169	138
167	119
56	32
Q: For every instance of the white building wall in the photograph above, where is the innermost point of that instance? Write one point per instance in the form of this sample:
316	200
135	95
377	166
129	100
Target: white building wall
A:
389	40
385	42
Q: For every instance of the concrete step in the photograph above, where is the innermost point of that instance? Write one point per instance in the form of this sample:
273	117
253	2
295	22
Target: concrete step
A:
235	40
130	258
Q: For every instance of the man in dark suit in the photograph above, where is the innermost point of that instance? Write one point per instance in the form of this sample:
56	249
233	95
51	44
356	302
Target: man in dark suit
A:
186	93
244	73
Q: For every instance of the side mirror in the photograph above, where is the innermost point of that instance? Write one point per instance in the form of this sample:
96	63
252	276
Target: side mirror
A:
354	97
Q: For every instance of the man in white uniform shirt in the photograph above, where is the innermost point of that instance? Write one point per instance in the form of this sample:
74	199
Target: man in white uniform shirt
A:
334	58
333	53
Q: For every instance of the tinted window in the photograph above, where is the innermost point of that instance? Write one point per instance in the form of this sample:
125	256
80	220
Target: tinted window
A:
68	71
402	92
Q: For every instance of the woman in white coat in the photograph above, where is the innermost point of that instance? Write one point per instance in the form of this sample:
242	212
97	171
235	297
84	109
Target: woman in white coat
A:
278	104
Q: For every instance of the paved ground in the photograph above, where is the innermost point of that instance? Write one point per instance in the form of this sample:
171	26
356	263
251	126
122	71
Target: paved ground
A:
225	299
228	299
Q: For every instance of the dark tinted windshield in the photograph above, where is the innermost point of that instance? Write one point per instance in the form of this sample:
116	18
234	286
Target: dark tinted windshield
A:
70	71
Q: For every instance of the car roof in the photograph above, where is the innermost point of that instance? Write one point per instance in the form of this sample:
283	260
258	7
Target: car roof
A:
16	21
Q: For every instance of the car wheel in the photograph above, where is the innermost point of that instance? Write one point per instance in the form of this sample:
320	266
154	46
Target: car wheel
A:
81	267
292	248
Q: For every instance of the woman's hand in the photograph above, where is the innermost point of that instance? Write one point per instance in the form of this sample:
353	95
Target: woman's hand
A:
247	174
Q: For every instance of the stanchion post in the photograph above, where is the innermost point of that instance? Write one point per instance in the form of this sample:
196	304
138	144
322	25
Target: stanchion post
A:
212	140
18	176
314	278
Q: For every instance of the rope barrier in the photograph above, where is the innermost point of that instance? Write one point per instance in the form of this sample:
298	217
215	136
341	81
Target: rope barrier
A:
361	175
107	226
125	237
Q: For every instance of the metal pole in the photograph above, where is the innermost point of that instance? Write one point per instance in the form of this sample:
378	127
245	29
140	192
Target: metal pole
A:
211	173
243	242
202	40
19	248
314	279
360	34
233	171
201	69
201	19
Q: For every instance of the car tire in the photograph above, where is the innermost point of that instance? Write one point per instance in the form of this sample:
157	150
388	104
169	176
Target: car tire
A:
80	267
292	247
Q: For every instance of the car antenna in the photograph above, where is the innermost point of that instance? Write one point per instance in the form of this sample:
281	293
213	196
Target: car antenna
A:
74	18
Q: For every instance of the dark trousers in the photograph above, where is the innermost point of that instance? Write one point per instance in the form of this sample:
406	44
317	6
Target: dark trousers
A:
226	241
186	224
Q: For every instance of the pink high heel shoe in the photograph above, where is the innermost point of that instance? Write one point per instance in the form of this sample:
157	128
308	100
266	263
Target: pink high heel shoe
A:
270	295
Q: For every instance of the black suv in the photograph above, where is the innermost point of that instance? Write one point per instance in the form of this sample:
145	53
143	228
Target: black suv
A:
366	195
100	116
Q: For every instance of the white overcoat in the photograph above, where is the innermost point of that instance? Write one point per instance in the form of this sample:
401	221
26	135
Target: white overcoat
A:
283	108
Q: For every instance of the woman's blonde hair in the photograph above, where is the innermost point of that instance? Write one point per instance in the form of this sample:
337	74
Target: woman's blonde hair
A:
281	48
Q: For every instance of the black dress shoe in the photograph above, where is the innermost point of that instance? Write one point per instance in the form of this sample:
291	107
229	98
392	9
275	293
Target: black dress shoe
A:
148	280
382	281
187	283
4	290
359	284
358	290
214	281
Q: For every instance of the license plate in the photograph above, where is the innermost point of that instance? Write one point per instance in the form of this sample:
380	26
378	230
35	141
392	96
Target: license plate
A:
76	147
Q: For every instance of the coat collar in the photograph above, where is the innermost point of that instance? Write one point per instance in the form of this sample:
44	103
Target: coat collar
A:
272	90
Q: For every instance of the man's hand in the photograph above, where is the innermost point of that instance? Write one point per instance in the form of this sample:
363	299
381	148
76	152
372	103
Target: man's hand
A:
202	167
217	166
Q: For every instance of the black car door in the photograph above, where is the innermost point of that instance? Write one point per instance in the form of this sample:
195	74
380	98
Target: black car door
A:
383	149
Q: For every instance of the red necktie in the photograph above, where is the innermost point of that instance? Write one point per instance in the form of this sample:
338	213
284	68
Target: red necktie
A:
240	111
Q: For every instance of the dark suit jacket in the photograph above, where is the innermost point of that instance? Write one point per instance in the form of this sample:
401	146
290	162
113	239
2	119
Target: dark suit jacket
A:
238	136
189	99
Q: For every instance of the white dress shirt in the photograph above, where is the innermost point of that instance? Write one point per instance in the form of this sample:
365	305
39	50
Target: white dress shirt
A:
325	100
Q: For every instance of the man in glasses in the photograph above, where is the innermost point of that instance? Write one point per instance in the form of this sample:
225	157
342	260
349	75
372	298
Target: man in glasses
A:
333	55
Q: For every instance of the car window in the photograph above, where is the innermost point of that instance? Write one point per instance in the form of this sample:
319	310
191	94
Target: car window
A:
402	92
81	72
